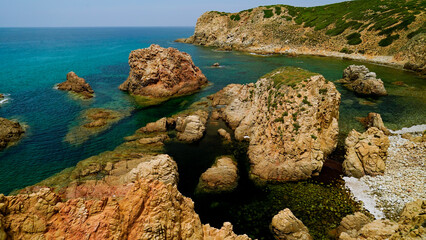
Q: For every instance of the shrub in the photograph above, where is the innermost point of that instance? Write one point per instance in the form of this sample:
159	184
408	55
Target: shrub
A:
268	13
354	38
278	10
235	17
346	51
388	40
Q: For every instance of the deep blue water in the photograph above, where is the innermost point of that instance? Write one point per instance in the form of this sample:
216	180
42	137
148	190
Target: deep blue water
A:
33	60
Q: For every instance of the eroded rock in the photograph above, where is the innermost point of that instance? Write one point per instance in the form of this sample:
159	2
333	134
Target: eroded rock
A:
359	79
374	120
290	118
221	177
77	85
224	134
191	128
285	226
162	73
365	153
10	132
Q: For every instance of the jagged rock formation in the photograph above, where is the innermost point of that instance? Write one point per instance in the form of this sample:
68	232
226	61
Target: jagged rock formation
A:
162	73
77	85
374	120
370	30
10	132
410	226
224	134
365	153
285	226
290	118
359	79
225	233
191	128
221	177
158	126
92	122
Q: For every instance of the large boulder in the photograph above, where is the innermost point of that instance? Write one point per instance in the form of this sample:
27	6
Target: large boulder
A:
359	79
77	85
162	73
365	153
290	118
351	224
10	132
221	177
191	128
285	226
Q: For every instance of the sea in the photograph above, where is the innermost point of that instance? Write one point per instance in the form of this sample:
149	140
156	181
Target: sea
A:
33	60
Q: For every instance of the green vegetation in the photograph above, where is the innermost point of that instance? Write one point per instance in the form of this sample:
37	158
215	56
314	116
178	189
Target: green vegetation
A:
268	13
384	17
388	41
289	76
235	17
346	50
354	38
421	29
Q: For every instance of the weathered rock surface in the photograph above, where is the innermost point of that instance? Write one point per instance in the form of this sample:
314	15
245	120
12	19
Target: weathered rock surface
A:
92	122
285	226
410	225
191	128
374	120
224	134
10	132
224	233
359	79
162	73
221	177
290	118
365	153
77	85
158	126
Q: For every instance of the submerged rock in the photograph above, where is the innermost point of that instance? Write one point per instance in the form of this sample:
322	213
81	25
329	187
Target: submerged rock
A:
221	177
285	226
158	72
77	85
290	118
10	132
359	79
365	153
92	122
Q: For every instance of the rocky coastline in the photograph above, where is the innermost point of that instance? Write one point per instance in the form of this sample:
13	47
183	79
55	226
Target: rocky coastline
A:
281	29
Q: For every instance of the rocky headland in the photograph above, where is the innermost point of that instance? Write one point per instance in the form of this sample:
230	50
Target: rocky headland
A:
290	119
10	132
92	122
76	85
374	31
359	79
161	73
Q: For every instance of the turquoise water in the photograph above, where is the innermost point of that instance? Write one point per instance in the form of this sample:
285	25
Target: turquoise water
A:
33	60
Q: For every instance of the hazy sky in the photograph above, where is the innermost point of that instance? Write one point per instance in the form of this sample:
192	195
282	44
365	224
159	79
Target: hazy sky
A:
71	13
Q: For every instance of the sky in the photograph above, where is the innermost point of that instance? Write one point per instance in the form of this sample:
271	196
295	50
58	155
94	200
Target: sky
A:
97	13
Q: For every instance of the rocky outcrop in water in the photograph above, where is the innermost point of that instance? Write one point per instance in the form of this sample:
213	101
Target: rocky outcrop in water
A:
221	177
359	79
285	226
224	134
10	132
191	128
77	85
365	153
290	118
162	73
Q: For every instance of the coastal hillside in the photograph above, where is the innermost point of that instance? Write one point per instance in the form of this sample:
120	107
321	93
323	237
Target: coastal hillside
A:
391	31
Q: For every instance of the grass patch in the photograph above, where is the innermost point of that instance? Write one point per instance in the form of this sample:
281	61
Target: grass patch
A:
289	76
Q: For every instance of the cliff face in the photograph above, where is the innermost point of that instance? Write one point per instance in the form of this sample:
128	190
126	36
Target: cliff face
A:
290	117
386	32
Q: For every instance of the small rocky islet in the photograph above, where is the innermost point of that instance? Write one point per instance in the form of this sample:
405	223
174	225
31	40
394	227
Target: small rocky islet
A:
289	120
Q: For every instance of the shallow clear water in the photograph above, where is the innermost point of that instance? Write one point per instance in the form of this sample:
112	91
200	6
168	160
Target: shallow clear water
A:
33	60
